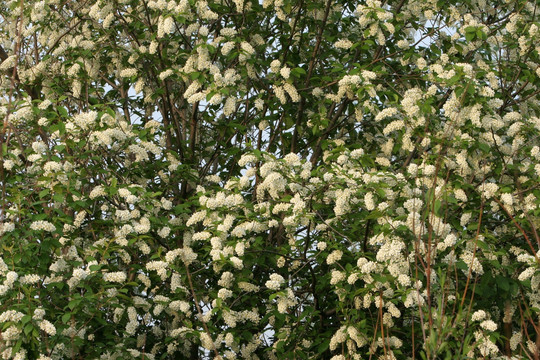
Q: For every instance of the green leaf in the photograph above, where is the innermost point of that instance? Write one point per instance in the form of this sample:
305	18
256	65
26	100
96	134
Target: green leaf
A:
62	111
484	147
17	347
74	303
28	328
66	317
502	283
323	346
60	148
470	36
481	35
298	71
44	193
437	207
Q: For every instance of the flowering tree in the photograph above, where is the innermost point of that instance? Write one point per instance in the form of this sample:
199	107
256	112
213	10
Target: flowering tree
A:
306	179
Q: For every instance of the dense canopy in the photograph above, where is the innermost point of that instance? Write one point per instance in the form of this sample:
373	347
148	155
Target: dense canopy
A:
307	179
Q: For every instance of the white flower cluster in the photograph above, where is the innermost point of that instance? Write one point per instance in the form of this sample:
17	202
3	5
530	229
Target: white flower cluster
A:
115	277
11	315
47	327
343	44
275	282
42	225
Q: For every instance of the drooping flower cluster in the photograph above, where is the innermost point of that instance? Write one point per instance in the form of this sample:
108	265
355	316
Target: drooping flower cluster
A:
275	180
